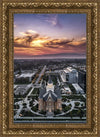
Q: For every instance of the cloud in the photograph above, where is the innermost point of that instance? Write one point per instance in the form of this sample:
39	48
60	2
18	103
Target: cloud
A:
32	31
59	42
52	19
20	45
36	44
66	45
26	39
29	32
15	26
83	39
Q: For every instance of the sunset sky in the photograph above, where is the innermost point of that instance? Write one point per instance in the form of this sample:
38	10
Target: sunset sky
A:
44	36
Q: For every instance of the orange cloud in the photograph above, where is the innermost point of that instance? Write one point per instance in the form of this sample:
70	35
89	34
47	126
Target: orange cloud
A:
31	43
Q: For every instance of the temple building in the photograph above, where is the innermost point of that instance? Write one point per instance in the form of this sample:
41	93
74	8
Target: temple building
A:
50	98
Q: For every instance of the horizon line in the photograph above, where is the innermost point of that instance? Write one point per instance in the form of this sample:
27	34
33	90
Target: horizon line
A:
49	58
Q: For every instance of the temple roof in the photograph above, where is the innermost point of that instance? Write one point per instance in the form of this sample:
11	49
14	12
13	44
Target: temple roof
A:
50	94
55	94
42	92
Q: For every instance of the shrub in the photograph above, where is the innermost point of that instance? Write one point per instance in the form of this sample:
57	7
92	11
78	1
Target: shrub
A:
77	104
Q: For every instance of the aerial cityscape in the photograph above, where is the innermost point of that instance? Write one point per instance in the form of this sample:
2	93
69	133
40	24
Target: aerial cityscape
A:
50	68
49	90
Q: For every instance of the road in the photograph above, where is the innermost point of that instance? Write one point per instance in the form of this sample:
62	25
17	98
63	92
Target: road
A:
41	73
72	107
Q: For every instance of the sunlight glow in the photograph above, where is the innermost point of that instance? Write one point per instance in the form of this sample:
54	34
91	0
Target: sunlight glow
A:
37	43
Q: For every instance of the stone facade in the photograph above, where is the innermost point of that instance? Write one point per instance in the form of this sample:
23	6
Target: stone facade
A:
50	105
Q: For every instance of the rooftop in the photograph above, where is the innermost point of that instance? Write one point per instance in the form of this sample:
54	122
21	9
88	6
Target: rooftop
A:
69	69
24	75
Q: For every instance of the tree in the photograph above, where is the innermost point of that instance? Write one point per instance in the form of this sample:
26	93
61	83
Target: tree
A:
71	114
80	113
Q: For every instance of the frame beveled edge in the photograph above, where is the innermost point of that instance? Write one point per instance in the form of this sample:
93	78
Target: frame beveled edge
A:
43	132
86	125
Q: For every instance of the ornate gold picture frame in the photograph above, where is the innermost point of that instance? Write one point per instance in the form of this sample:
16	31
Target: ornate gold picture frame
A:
7	9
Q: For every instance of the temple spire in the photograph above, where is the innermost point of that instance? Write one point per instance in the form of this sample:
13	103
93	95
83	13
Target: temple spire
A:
50	80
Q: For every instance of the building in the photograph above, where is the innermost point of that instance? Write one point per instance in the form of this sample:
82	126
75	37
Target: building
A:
70	75
21	89
24	77
50	98
82	79
78	89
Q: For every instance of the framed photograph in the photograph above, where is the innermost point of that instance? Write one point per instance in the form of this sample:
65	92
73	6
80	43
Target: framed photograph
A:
49	74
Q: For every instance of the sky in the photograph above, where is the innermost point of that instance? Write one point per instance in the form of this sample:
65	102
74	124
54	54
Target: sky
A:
44	36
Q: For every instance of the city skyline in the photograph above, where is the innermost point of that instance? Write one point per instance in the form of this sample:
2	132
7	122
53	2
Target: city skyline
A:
44	36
